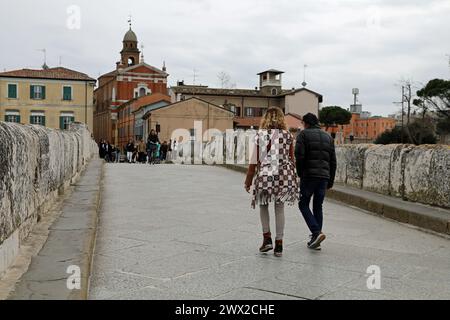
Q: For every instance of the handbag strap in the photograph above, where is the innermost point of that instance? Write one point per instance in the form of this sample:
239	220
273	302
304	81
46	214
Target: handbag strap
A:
269	146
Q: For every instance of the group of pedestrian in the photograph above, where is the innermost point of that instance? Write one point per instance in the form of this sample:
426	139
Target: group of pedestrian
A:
278	169
108	152
152	151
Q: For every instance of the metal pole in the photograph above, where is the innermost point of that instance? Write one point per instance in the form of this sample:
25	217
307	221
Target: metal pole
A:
403	104
85	104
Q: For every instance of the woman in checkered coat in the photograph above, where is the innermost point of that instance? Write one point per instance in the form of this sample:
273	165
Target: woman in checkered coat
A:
272	166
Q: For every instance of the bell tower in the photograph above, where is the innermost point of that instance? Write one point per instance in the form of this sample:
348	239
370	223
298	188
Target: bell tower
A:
270	82
130	51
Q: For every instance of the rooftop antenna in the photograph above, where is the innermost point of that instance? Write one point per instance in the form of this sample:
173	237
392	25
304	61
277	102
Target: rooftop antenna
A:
44	66
60	61
304	75
142	52
195	75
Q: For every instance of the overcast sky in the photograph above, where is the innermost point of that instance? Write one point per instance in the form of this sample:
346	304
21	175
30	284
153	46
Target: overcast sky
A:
350	43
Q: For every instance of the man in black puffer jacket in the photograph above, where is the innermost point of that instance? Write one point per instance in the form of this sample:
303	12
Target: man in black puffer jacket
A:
316	166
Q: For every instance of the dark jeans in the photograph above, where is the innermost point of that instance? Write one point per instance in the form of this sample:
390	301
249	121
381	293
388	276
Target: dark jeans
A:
151	152
312	187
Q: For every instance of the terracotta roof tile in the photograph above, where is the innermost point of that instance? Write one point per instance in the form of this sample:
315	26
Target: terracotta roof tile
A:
58	73
138	103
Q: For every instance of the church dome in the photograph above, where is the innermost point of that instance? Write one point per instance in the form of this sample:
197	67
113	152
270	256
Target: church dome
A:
130	36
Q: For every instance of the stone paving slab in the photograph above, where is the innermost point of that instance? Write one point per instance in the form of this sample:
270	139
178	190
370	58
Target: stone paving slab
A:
188	232
70	242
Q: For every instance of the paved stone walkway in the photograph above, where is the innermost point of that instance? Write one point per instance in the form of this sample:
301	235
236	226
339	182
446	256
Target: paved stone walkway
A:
188	232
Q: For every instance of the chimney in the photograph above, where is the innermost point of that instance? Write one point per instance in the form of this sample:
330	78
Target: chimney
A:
119	65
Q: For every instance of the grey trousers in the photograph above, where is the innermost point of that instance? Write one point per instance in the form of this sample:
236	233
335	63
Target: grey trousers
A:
279	219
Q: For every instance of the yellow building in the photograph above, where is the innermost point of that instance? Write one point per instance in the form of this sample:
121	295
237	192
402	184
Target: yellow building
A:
54	97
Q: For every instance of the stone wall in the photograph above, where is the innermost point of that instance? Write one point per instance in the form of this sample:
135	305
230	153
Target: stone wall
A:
36	165
414	173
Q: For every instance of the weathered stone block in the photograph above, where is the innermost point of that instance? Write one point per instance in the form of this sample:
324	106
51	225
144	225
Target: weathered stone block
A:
440	176
354	160
377	168
341	169
417	176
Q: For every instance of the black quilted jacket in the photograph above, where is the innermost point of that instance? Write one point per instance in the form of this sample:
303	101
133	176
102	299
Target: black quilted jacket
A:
315	155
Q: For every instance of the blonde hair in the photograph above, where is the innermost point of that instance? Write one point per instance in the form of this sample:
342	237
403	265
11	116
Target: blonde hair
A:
273	119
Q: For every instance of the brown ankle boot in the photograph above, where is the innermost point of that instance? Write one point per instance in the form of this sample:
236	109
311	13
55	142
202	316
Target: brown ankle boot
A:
267	243
278	248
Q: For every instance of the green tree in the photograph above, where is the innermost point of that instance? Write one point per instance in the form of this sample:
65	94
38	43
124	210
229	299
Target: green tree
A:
334	115
436	96
443	126
416	133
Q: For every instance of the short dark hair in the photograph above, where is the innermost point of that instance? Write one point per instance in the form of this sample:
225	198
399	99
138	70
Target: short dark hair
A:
310	119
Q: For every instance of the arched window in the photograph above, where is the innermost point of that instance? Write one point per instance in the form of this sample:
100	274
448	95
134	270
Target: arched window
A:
131	61
274	92
142	92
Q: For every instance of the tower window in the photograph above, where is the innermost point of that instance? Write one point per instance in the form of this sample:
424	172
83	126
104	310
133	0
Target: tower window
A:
130	61
274	92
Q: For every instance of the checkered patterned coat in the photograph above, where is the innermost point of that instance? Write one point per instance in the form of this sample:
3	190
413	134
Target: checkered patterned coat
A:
276	178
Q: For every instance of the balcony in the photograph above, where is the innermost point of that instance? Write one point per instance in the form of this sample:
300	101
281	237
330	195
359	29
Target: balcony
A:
271	83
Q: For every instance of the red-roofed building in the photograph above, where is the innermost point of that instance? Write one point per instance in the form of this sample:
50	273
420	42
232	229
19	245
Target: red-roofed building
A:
52	97
129	121
132	78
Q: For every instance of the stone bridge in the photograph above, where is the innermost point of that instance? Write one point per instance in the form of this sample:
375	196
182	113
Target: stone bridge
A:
168	231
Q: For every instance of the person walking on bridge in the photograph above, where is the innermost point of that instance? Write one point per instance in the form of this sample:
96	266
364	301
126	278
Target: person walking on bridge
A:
316	166
276	181
152	146
130	149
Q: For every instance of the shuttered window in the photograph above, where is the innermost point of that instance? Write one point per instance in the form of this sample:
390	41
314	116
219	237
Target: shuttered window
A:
15	117
12	91
37	119
65	121
67	93
37	92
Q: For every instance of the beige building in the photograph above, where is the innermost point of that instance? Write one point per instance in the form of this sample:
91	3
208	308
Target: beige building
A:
53	97
248	105
182	115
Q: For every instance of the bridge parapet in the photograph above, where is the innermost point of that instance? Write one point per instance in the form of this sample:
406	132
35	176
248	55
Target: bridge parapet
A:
36	165
414	173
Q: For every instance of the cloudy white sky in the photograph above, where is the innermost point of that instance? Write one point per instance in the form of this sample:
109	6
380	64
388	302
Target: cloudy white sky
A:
349	43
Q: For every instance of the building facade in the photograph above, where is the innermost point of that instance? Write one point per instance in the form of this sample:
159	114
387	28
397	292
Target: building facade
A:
131	79
249	105
182	115
364	129
131	125
52	97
